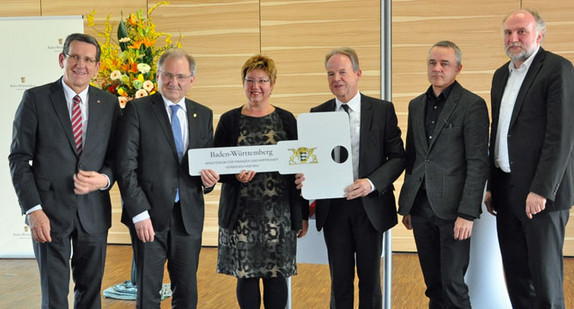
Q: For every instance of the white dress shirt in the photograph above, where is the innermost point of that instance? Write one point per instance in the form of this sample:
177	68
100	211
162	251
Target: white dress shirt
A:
515	79
355	126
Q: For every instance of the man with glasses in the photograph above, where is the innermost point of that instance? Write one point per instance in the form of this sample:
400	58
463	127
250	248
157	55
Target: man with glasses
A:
163	204
61	165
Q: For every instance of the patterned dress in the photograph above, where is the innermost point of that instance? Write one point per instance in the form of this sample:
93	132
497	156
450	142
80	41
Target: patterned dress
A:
262	243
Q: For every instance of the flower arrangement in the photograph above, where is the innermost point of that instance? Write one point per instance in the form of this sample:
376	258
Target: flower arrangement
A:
128	67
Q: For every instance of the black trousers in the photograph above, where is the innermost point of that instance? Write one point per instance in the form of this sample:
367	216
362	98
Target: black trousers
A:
531	250
88	261
182	254
443	259
351	239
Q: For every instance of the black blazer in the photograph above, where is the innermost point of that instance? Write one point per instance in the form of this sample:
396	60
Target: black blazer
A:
454	166
148	168
43	134
381	159
541	132
226	135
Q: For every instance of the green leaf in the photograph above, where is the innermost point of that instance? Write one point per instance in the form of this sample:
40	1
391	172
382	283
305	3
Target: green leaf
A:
122	33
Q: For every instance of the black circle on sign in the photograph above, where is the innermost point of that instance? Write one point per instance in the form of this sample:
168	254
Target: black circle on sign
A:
339	154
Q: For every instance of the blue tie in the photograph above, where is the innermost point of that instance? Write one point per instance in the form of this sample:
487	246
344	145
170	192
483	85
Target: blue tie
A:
176	128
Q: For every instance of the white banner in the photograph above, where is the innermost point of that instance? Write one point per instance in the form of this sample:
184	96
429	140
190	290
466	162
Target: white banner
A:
29	59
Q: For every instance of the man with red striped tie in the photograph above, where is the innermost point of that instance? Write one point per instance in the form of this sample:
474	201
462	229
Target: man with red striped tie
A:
61	164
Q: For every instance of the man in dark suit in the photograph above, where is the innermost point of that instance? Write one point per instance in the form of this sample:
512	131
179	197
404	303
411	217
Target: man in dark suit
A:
531	184
447	167
354	226
163	204
61	164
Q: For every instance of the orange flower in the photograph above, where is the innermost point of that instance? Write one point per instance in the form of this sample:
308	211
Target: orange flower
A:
130	67
134	68
145	41
132	20
136	45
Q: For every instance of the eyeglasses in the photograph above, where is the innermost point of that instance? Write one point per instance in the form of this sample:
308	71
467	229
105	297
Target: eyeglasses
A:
251	81
76	59
169	76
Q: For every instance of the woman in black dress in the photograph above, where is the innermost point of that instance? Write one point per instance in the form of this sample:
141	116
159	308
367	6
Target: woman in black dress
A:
260	214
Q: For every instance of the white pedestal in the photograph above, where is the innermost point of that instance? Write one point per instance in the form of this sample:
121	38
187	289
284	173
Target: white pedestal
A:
485	276
311	248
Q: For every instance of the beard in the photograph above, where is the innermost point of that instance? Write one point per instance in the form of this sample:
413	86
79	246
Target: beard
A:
522	55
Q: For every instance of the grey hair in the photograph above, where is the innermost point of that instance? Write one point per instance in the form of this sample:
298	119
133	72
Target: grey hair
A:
177	53
540	23
347	51
449	44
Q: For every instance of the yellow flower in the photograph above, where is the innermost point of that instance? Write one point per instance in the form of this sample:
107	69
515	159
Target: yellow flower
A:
90	18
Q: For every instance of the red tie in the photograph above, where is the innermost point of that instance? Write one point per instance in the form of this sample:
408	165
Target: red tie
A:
77	123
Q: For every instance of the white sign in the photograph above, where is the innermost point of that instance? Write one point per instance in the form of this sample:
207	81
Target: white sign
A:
315	154
232	160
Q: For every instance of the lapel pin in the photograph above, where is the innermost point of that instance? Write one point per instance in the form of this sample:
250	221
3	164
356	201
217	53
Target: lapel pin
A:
194	115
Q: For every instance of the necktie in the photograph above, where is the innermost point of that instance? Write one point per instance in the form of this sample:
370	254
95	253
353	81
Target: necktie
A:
341	154
176	128
77	123
354	151
346	109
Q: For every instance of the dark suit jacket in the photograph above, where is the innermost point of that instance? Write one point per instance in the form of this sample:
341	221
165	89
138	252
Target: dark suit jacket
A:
541	132
381	159
148	168
454	166
43	134
226	135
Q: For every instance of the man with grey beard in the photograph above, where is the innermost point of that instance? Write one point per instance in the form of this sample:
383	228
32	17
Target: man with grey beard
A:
531	184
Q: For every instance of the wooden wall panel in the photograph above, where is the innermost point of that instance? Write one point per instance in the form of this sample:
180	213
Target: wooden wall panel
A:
559	25
103	9
298	34
10	8
221	35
